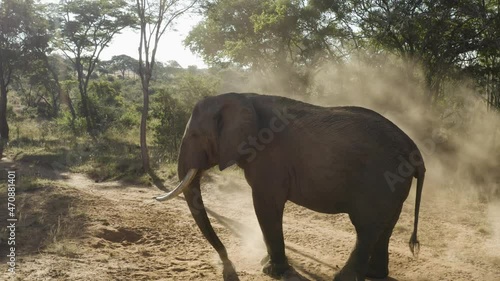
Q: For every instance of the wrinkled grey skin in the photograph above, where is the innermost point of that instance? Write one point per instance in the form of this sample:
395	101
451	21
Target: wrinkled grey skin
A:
331	160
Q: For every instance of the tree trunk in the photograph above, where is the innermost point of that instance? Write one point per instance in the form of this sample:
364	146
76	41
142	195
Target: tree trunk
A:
55	94
144	119
4	127
83	94
86	112
55	105
433	86
66	99
71	108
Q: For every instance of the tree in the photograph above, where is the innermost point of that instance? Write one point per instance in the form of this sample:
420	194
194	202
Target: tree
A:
485	63
167	72
173	105
62	70
155	17
286	39
38	88
87	27
438	34
124	63
22	31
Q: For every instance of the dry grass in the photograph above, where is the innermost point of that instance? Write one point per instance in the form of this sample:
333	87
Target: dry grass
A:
115	155
49	217
64	248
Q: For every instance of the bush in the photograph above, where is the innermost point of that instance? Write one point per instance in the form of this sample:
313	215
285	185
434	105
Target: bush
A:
192	88
172	108
169	128
130	118
66	124
105	104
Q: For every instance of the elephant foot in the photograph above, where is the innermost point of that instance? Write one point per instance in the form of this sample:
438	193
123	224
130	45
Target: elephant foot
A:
377	270
344	275
377	274
275	270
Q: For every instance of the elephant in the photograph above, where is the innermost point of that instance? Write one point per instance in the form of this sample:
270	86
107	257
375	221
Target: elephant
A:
331	160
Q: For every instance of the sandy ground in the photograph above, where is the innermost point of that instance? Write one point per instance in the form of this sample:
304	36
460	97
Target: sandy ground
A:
75	229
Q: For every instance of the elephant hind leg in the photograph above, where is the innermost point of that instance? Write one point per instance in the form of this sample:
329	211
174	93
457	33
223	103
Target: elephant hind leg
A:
357	265
378	266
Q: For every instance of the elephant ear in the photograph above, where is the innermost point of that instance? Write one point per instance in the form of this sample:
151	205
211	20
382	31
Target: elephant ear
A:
236	121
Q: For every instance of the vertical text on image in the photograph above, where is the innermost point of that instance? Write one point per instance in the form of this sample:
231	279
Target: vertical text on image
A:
11	220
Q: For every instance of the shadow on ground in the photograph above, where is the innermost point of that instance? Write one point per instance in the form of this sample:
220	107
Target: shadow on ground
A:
238	229
103	159
45	216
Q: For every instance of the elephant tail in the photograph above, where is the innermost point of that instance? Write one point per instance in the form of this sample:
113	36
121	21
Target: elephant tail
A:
414	243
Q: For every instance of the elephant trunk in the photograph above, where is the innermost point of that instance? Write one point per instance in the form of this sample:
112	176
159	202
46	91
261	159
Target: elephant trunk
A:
194	200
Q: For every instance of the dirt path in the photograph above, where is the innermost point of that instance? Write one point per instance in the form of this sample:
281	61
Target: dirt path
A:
112	231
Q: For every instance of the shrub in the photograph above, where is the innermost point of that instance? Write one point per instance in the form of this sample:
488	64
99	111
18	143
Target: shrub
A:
172	107
169	128
66	124
130	118
105	104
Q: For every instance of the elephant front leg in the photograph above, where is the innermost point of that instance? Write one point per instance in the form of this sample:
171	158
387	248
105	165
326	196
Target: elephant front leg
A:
269	211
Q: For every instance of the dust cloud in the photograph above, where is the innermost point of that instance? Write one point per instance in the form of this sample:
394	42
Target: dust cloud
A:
457	134
231	192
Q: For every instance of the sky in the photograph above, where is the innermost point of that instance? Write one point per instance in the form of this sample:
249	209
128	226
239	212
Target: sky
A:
169	48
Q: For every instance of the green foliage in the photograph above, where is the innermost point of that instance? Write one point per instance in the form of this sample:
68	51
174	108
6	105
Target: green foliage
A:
66	123
24	36
268	34
10	112
86	28
282	40
168	130
437	34
107	108
131	117
286	39
107	92
91	24
247	33
16	18
167	71
124	64
190	88
105	103
172	106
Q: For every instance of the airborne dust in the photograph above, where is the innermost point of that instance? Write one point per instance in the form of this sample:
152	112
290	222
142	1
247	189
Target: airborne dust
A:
460	142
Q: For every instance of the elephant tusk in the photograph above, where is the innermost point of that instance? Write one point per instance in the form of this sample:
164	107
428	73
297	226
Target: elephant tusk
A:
178	190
